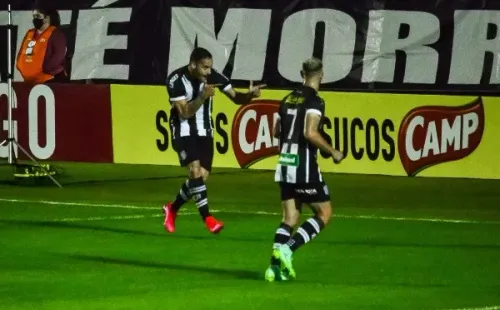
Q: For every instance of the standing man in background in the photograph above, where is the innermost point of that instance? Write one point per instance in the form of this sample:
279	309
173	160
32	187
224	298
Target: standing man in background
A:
190	89
42	55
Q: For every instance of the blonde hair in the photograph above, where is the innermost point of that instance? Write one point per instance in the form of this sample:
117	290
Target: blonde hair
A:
311	66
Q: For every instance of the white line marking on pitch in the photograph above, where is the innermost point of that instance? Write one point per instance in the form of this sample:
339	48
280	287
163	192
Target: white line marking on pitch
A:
138	207
117	217
387	218
481	308
104	218
78	204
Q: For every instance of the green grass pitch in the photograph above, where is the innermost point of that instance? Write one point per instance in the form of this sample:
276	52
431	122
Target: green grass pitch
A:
99	243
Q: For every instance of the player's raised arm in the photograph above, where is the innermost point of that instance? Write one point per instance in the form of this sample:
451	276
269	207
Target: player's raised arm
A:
245	98
177	93
187	110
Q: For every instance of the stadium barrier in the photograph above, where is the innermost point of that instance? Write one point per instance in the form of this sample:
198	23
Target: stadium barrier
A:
388	134
59	122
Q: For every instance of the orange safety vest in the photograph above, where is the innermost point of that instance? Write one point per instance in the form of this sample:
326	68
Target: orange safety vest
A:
32	54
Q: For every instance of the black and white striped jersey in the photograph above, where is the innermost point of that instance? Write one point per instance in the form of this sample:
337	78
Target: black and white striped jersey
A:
297	162
181	86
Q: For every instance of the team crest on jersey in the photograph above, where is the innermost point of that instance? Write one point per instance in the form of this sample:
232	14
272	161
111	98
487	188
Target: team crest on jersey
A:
252	132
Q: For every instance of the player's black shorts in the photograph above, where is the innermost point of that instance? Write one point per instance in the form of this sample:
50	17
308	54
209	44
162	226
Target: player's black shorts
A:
194	148
306	192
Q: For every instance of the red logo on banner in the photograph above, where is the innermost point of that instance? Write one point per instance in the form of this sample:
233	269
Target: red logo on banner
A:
252	132
431	135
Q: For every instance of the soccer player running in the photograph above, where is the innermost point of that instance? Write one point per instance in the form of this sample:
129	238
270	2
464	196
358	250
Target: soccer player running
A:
301	116
191	89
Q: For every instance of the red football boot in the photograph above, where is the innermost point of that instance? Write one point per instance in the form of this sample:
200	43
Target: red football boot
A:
170	216
213	225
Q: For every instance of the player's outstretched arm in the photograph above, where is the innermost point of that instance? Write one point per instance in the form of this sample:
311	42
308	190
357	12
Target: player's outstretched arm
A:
187	110
245	98
314	137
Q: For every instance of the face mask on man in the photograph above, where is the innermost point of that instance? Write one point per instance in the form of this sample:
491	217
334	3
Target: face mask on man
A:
38	23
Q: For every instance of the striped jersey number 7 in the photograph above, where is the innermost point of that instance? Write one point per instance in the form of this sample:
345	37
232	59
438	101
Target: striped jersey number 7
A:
292	112
288	156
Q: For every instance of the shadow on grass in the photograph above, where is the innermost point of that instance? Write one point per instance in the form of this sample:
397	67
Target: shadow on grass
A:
74	225
258	276
228	236
172	177
354	243
234	273
67	180
70	182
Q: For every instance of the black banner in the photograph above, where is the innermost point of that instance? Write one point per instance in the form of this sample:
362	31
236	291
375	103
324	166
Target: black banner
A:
440	46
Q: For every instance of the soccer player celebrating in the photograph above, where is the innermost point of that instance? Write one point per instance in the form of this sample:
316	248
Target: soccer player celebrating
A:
301	116
191	89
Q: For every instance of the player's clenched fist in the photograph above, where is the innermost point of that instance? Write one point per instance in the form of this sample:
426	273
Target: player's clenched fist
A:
338	156
209	90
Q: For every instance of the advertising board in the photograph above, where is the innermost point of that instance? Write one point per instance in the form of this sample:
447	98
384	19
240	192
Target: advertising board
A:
388	134
59	122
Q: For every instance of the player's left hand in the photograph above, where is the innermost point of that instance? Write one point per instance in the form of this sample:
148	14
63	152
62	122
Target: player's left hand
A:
254	91
338	156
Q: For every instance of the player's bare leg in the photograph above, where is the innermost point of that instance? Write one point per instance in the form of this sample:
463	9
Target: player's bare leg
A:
290	218
305	234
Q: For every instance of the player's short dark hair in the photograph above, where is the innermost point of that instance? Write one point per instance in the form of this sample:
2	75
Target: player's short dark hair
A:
311	66
198	54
